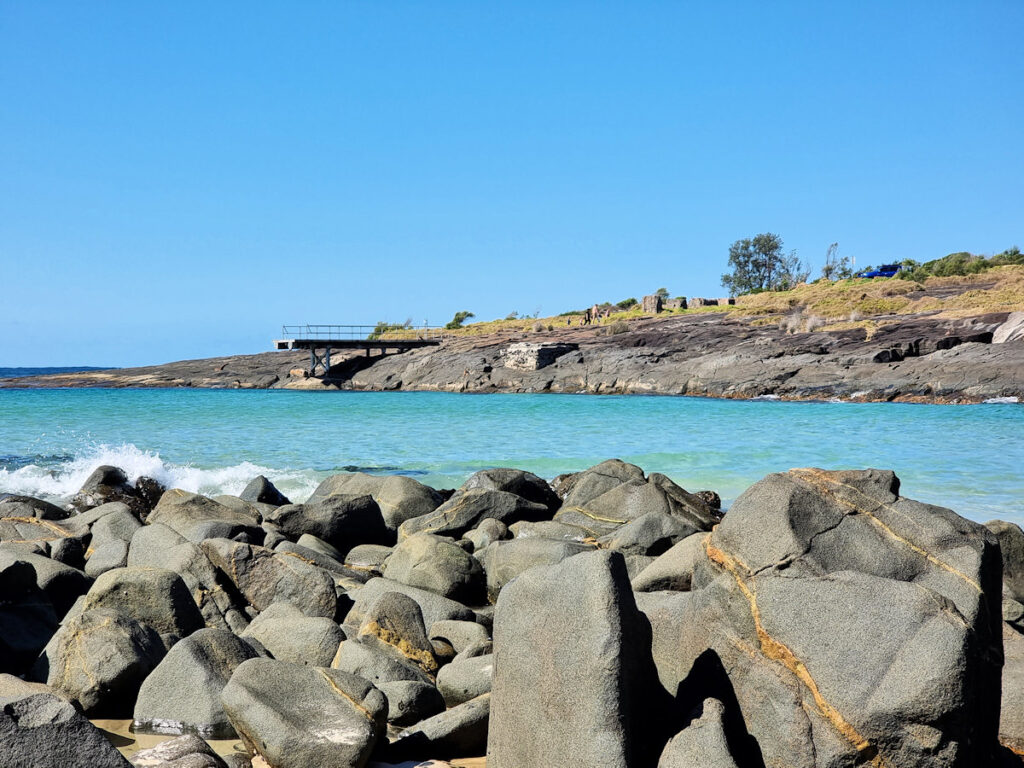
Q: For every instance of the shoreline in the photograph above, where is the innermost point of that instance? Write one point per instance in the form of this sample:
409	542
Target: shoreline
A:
855	399
922	358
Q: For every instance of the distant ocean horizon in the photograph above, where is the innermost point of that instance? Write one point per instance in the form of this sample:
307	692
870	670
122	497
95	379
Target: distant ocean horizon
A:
16	372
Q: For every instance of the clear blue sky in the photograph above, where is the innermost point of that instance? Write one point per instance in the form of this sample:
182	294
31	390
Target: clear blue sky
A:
177	180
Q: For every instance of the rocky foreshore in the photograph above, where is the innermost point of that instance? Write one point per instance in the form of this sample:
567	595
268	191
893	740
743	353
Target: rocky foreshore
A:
607	618
923	357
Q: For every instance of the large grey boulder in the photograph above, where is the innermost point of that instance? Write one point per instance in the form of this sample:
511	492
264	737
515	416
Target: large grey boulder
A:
1011	545
378	662
368	558
109	484
265	577
44	730
289	635
83	522
467	509
182	695
155	596
400	498
525	484
433	606
257	510
489	530
574	682
341	521
580	487
61	583
504	560
119	523
547	529
460	635
111	554
304	717
856	625
667	613
157	546
465	679
1011	711
27	530
458	732
410	701
259	490
436	563
198	518
186	751
397	621
341	573
15	506
701	509
636	563
98	659
674	569
70	551
703	742
27	618
13	688
651	534
628	501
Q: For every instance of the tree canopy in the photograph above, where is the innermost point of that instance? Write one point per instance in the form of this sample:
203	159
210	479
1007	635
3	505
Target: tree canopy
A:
836	267
759	264
458	320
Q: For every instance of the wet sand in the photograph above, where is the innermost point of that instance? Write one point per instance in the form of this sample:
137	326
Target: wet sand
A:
128	743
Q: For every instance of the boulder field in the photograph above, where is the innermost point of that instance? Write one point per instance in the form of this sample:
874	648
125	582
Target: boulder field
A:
608	618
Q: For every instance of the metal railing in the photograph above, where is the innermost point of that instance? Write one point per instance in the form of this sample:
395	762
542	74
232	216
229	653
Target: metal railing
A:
380	331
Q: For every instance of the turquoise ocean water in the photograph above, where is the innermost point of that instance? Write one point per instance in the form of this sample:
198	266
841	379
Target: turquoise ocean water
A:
969	458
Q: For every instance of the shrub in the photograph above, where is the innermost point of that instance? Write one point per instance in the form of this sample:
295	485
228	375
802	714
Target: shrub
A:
792	322
383	327
619	326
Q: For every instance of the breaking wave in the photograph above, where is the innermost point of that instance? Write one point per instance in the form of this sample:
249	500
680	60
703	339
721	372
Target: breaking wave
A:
58	477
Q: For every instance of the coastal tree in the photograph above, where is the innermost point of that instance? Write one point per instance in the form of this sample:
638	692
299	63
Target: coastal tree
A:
662	292
760	264
458	320
836	267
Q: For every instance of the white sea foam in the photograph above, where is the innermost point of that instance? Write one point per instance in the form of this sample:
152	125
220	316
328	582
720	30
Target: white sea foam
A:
766	397
62	480
1002	400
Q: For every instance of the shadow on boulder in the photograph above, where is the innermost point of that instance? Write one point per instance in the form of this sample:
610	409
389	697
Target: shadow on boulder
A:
709	680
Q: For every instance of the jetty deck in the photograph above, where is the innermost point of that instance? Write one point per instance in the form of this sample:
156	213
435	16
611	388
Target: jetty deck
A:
321	339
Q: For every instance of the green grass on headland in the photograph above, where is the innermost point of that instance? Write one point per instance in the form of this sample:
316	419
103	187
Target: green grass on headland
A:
824	304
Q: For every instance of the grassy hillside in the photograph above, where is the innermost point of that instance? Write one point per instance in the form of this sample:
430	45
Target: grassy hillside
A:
828	305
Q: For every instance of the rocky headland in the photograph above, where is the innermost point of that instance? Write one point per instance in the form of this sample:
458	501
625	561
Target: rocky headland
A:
952	340
607	618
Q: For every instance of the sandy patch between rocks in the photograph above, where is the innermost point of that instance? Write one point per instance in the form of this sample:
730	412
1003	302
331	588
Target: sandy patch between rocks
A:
128	743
